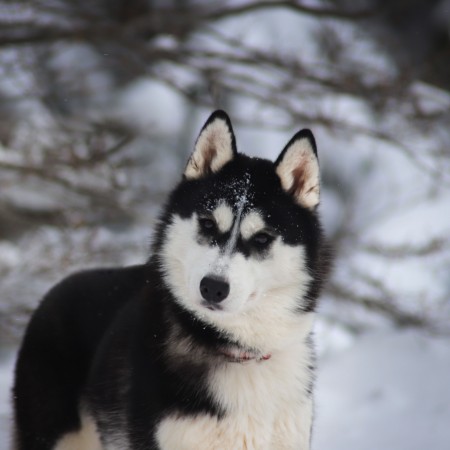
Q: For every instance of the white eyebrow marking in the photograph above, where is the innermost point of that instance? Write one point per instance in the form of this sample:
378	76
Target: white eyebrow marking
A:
251	224
224	217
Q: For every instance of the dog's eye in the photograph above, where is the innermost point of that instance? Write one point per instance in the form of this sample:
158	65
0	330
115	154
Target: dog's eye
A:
207	225
262	240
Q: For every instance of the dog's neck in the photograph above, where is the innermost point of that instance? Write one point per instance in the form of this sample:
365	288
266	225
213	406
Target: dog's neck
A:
193	338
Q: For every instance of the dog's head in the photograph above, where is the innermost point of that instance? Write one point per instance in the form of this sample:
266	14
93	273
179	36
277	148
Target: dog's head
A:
239	242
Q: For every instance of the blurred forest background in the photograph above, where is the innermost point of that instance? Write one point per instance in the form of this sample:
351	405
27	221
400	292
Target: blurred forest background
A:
100	104
101	101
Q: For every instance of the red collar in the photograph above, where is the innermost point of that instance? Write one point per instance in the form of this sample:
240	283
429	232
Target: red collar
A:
238	355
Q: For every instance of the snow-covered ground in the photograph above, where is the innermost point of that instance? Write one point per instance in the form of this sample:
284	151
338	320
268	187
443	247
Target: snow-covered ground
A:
388	391
384	390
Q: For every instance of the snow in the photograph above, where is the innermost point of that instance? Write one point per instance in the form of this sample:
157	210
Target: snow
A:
149	106
383	390
388	391
6	377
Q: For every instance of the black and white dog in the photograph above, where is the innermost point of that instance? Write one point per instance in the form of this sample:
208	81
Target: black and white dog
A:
208	344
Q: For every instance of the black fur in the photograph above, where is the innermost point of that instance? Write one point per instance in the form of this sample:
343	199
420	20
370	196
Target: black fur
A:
59	346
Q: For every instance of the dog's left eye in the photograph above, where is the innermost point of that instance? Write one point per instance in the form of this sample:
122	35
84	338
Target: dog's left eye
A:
207	225
262	239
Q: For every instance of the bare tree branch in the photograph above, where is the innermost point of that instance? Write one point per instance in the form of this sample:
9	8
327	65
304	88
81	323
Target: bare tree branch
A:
293	6
432	247
383	306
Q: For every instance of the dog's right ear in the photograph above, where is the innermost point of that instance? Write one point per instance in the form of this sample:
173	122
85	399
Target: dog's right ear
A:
215	146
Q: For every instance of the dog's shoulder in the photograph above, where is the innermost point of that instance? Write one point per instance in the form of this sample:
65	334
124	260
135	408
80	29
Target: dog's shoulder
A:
83	304
104	286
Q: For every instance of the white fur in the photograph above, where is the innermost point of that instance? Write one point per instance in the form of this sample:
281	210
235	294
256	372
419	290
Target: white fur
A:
213	149
86	438
259	310
252	224
223	215
300	162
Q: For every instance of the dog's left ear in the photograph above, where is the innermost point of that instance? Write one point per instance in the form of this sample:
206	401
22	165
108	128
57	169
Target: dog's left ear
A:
298	169
215	146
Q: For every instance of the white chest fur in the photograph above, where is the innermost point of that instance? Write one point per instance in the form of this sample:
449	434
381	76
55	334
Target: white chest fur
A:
267	408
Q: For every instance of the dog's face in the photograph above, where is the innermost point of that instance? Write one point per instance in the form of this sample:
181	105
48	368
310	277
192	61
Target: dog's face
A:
240	236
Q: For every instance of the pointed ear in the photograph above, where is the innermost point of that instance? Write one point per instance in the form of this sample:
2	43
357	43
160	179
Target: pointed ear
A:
298	169
215	146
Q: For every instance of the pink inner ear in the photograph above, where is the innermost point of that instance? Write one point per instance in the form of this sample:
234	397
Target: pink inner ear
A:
213	149
209	153
301	175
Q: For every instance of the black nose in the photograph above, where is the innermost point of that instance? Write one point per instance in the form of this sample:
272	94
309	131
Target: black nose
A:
214	290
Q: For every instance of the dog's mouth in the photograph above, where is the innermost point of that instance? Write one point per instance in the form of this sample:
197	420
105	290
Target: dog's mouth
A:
238	355
212	307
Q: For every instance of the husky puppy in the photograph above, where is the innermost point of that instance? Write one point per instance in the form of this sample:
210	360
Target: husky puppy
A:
207	345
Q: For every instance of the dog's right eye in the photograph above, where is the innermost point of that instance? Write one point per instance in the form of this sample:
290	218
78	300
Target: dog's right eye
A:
262	240
207	225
